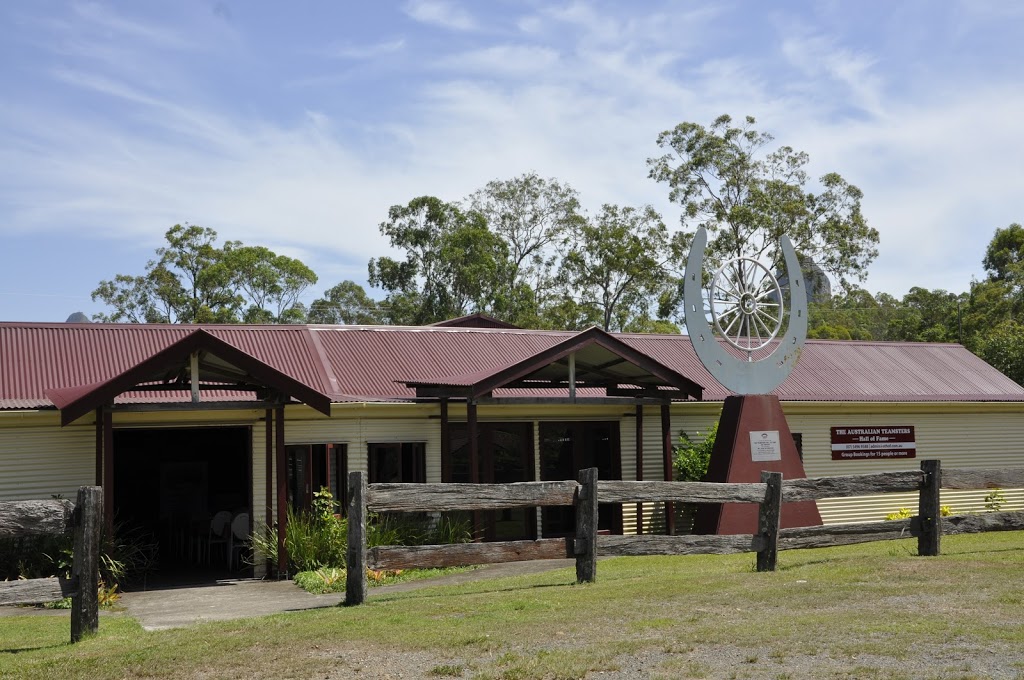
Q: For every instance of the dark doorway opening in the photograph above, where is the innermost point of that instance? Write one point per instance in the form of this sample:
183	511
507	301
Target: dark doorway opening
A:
565	449
189	489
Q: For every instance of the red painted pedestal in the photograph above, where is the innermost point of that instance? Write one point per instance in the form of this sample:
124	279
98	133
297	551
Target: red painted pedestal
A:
732	460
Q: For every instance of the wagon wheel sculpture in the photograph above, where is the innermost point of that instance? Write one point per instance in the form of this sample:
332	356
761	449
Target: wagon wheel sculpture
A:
746	304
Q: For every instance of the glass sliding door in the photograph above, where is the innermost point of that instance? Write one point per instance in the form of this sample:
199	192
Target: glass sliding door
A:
565	449
505	455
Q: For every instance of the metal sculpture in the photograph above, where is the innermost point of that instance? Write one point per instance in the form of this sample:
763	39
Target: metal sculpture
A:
747	309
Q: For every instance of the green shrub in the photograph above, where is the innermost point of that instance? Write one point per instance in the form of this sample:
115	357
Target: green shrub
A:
690	460
315	539
417	529
318	539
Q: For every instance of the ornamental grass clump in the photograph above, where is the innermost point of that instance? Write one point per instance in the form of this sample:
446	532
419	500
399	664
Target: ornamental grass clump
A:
315	539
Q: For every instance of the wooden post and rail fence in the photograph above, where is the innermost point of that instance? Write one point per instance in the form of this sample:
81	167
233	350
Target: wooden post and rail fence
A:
587	544
84	519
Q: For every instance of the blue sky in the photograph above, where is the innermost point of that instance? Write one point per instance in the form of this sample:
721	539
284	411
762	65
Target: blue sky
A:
296	125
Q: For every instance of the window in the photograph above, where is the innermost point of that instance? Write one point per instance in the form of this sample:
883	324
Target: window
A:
391	463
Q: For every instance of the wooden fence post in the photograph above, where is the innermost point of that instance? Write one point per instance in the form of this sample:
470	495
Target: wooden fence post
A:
85	610
768	521
355	576
929	512
586	527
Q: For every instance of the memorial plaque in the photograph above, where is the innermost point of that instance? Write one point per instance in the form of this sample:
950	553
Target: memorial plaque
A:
873	443
765	446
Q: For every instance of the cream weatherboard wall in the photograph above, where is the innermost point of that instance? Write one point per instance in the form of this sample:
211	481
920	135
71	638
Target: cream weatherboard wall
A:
38	458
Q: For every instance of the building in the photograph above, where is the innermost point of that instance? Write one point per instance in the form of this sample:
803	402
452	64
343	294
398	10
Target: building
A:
179	422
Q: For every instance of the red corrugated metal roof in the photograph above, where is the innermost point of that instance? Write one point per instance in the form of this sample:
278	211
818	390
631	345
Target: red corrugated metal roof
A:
351	363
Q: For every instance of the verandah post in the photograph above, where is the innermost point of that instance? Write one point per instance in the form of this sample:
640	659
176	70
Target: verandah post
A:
768	519
85	569
355	576
929	512
585	545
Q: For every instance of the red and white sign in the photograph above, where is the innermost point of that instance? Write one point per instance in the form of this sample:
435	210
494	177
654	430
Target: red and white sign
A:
873	443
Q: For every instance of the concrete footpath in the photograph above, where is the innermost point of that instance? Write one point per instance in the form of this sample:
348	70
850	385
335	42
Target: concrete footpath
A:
225	600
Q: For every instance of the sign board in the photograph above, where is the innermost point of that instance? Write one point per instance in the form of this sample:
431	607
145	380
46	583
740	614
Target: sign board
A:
873	443
764	445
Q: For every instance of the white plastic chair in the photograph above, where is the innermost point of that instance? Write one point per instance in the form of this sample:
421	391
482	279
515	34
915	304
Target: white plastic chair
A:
239	537
220	527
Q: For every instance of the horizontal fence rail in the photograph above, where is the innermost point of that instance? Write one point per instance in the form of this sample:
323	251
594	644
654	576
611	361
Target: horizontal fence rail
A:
843	486
58	517
979	478
647	544
434	556
36	518
683	492
430	497
927	526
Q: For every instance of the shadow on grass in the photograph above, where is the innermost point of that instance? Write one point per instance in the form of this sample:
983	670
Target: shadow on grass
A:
19	650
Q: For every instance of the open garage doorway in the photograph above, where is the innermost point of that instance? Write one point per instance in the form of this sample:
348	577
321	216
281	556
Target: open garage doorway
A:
189	490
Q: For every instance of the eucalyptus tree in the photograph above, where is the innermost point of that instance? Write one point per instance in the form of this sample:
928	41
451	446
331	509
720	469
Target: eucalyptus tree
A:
728	180
193	280
451	265
533	216
346	303
616	266
272	283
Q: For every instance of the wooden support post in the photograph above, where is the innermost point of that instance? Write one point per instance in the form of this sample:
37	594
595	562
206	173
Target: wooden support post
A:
355	578
666	462
639	464
586	527
99	447
768	521
473	433
268	442
446	443
928	510
474	442
85	570
108	471
282	494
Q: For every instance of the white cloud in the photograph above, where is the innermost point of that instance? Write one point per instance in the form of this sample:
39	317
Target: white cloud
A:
817	57
441	13
344	50
502	60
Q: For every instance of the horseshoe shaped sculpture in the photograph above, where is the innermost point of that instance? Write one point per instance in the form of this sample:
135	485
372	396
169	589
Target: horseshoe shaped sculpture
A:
744	377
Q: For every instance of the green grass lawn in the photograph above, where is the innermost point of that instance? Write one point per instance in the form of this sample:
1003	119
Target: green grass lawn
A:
875	611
